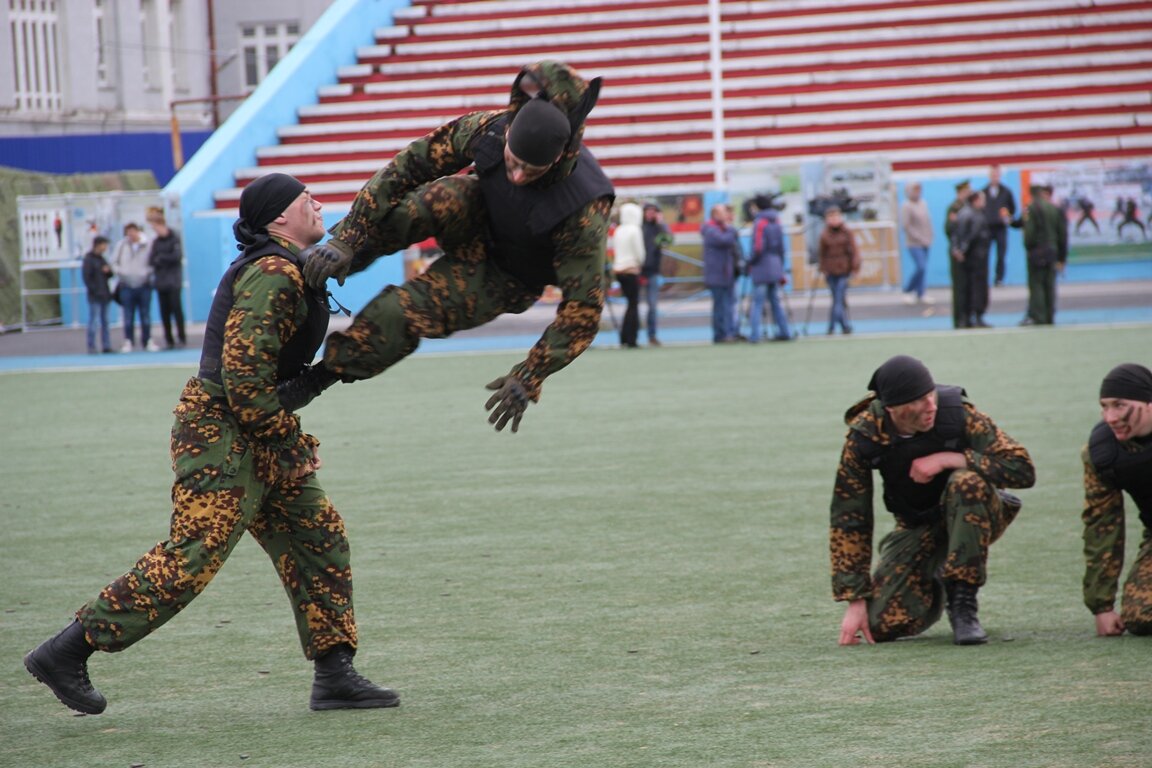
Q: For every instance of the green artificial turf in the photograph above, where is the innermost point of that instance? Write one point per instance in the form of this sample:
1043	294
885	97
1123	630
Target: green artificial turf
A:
638	578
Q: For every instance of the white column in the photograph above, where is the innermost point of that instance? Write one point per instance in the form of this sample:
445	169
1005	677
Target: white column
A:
716	65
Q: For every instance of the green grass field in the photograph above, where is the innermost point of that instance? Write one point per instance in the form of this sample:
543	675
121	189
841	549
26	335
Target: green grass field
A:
638	578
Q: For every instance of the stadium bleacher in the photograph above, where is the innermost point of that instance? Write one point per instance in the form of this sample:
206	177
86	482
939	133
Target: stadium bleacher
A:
934	84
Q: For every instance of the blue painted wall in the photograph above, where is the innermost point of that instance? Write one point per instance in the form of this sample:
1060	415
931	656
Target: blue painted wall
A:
99	153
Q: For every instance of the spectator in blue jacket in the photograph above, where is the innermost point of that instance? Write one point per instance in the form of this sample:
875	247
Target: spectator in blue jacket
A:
722	254
766	268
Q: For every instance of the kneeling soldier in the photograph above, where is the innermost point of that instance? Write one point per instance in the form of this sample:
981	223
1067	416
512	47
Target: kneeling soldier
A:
1118	458
943	464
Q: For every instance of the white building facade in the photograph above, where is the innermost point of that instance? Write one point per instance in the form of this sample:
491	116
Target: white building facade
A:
82	67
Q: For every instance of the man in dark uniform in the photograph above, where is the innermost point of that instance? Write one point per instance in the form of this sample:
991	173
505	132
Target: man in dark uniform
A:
943	464
1000	210
1046	245
955	266
242	464
1118	458
969	246
532	210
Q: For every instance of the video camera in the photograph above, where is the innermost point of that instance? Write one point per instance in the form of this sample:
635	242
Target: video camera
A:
762	201
837	198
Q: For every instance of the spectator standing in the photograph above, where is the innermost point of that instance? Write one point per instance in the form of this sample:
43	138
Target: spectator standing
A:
955	266
627	260
969	246
839	260
766	269
943	464
1118	459
1000	210
134	272
97	272
657	237
167	262
916	222
1046	245
721	265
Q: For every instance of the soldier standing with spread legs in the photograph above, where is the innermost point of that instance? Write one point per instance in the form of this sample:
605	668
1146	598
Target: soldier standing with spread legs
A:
943	464
532	210
1118	458
242	464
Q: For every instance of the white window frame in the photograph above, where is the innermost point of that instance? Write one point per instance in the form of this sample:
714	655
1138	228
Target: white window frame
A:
258	41
34	32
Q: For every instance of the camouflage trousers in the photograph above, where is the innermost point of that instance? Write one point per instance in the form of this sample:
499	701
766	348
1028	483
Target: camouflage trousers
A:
1136	602
219	494
908	585
462	289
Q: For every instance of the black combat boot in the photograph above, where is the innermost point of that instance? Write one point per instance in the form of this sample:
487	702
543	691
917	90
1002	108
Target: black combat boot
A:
338	685
61	663
962	607
306	386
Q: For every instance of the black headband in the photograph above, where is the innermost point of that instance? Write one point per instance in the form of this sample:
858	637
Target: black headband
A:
1128	381
539	133
900	380
260	203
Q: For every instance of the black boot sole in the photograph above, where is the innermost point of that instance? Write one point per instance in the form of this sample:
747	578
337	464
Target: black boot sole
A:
327	704
38	672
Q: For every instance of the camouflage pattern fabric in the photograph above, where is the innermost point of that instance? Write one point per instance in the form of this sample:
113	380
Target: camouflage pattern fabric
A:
416	196
232	448
1104	542
904	593
908	585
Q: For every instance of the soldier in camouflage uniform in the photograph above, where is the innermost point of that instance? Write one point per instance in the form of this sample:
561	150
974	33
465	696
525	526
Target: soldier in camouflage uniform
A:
1046	246
531	210
1118	458
242	463
943	464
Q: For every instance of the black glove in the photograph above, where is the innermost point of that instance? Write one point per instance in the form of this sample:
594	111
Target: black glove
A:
508	403
325	260
297	392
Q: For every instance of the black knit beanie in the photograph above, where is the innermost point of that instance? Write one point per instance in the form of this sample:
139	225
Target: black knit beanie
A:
539	133
1128	381
260	203
900	380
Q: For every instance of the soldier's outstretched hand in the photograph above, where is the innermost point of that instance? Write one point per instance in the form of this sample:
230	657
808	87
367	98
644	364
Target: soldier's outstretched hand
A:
508	404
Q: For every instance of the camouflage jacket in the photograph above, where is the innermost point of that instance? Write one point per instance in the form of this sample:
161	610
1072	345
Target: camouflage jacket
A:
1103	518
269	306
579	242
990	452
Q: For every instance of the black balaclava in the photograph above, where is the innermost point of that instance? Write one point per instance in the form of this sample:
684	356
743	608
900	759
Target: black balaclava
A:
901	379
1128	381
539	133
260	203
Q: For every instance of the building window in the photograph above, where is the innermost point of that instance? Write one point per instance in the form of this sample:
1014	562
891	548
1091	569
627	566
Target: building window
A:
34	30
263	45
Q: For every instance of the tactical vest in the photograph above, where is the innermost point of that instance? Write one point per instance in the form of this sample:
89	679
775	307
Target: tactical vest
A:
298	352
918	503
1129	471
521	219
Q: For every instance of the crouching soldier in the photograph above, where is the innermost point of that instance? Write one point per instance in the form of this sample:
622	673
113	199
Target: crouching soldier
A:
943	465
